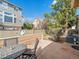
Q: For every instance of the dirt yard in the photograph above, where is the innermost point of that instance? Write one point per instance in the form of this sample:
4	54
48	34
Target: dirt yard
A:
52	50
49	49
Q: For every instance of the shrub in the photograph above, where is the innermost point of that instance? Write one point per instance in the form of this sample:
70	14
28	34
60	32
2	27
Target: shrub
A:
27	26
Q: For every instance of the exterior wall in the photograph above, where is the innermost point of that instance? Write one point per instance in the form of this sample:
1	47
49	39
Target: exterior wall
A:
10	23
7	9
14	11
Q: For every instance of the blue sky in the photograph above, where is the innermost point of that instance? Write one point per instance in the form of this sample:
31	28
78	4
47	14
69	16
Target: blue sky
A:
33	8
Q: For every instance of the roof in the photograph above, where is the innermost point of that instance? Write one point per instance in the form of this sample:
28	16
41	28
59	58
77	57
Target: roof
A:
14	6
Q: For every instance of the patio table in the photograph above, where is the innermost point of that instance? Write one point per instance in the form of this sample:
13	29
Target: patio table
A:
12	52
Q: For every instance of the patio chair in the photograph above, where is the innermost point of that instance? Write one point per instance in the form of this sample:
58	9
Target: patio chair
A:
31	53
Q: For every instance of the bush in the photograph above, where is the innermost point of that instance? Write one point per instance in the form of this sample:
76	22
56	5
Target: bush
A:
27	26
57	36
72	31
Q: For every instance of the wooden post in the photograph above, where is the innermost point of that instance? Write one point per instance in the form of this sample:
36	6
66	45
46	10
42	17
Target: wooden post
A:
74	3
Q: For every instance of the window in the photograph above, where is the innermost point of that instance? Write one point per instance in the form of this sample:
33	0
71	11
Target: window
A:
8	19
0	3
14	15
16	9
0	15
10	28
1	7
8	13
0	18
14	20
1	28
10	5
5	5
20	13
0	11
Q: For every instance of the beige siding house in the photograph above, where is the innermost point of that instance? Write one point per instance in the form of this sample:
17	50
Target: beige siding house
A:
10	22
37	24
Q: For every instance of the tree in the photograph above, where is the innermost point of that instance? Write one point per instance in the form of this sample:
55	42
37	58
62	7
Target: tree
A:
27	26
24	26
64	16
63	13
47	17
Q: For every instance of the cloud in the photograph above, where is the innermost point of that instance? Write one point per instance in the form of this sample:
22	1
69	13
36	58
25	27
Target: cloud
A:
54	2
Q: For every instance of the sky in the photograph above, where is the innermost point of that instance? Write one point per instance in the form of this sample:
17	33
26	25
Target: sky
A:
33	8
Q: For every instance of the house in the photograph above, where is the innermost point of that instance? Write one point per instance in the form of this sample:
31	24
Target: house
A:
10	23
37	24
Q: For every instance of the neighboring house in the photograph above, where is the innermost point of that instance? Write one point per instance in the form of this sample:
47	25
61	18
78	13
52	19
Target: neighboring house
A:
10	21
37	24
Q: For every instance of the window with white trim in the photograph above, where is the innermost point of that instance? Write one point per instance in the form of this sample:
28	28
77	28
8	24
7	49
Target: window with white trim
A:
1	18
8	19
